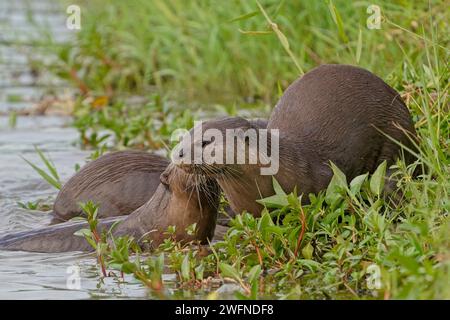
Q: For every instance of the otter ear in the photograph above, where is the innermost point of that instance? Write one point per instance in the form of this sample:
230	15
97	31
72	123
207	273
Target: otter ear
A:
164	178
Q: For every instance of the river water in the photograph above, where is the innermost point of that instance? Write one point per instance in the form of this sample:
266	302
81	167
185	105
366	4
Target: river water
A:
25	275
32	275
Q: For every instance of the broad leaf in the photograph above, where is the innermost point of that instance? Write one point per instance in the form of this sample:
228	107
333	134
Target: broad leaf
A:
377	179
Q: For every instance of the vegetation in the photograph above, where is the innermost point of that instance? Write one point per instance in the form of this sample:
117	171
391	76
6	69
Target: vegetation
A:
144	68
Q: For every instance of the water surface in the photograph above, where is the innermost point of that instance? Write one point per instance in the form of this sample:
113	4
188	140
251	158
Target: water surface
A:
35	275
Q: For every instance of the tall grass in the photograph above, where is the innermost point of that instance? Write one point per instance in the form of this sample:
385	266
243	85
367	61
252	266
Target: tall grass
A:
227	51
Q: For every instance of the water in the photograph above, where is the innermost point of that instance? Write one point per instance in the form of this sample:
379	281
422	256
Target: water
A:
34	275
25	275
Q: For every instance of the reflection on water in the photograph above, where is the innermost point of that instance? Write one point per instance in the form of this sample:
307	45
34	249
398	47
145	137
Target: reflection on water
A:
32	275
45	276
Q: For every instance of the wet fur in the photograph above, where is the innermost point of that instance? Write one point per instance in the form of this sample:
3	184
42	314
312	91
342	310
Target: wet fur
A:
119	182
180	200
333	113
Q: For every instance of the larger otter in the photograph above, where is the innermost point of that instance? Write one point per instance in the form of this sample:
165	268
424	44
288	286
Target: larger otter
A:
340	113
180	200
119	182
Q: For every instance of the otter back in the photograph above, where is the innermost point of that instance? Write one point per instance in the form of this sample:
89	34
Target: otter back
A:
118	182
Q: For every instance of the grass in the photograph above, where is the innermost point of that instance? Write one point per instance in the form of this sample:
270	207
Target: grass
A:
179	56
201	51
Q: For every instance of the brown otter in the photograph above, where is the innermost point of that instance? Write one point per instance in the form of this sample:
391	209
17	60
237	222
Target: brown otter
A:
119	182
337	113
180	200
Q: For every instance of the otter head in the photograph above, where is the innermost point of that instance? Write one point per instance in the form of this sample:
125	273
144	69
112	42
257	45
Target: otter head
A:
235	152
219	147
186	199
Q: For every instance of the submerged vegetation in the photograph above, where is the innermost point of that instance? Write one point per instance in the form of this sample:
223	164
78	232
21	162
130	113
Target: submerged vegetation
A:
143	68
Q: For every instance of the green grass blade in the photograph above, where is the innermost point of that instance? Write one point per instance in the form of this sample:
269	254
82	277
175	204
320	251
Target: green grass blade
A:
44	175
50	166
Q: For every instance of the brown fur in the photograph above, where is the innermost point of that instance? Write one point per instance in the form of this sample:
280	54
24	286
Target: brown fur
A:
119	182
333	113
180	200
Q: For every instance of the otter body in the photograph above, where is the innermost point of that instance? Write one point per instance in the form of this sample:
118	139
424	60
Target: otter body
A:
55	238
335	113
119	182
180	200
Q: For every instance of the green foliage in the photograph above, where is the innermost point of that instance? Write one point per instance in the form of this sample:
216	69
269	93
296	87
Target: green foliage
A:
39	205
197	54
147	126
51	176
348	228
341	233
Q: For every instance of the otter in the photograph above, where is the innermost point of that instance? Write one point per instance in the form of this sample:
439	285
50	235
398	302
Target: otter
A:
119	182
180	200
339	113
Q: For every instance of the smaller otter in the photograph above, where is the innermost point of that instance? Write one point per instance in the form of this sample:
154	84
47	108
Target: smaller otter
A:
180	200
119	182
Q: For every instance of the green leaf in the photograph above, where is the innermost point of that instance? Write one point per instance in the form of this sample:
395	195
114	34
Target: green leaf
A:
338	21
185	268
377	179
310	264
359	47
277	187
281	37
91	242
229	271
244	16
115	266
254	273
280	89
254	290
337	185
355	185
307	251
241	296
340	176
128	267
12	119
265	221
199	270
190	230
50	166
44	175
83	233
159	263
293	200
275	201
333	192
275	230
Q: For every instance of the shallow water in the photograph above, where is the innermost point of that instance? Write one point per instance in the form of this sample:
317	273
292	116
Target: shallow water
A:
35	275
25	275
